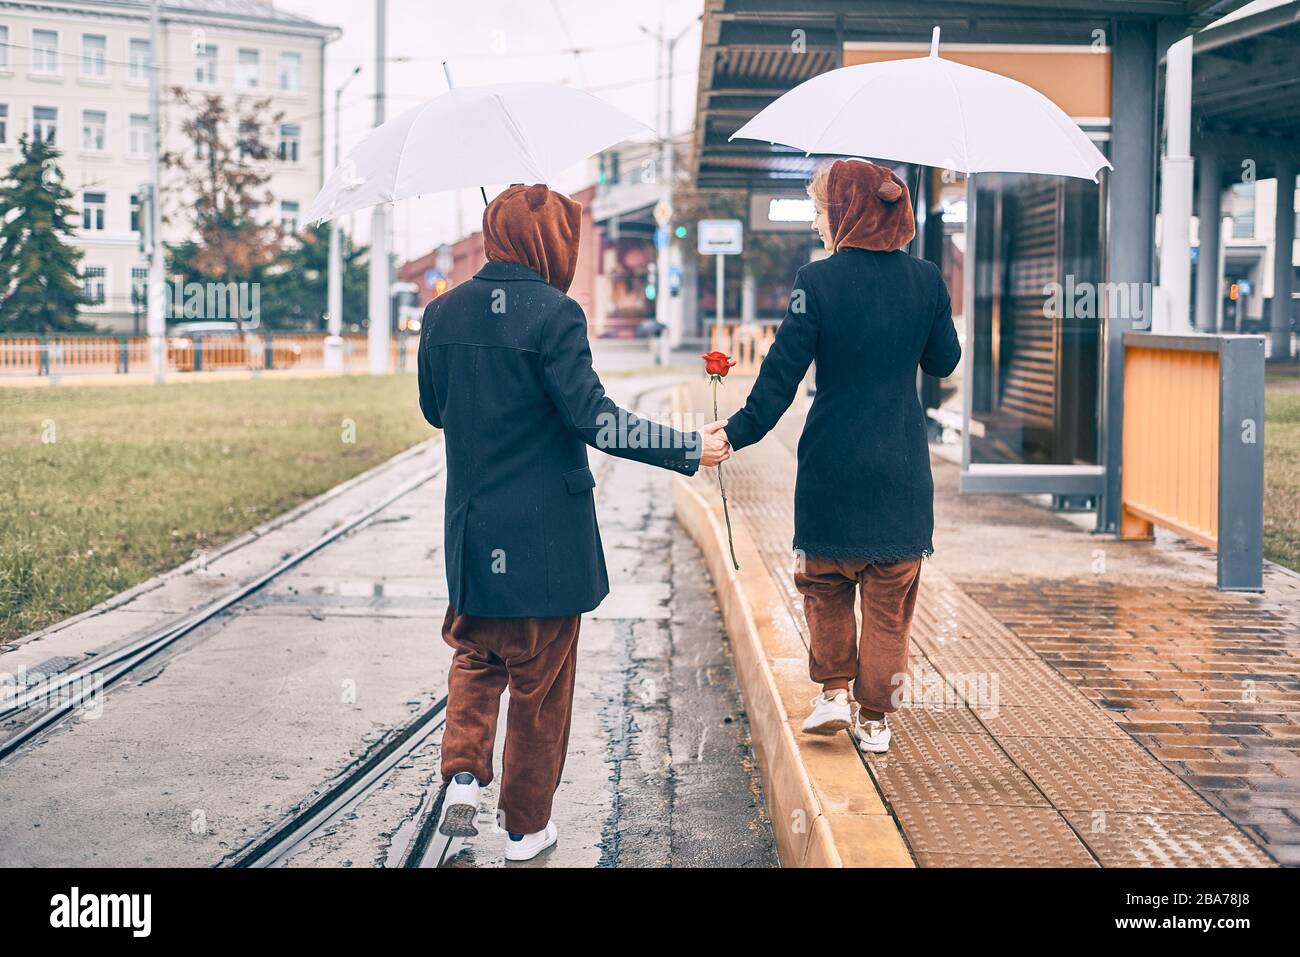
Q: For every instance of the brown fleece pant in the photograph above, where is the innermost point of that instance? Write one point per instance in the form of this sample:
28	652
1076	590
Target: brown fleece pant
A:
535	658
877	661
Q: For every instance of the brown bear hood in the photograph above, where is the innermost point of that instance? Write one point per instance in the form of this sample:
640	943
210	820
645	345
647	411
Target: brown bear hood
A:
536	227
868	207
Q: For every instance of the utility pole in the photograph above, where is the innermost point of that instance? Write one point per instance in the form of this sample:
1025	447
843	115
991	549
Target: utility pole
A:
334	341
1176	194
380	304
156	322
668	319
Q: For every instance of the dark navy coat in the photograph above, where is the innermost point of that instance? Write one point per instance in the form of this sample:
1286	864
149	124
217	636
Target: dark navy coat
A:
864	491
505	371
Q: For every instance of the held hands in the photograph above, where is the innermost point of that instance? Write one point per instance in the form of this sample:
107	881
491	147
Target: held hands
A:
716	449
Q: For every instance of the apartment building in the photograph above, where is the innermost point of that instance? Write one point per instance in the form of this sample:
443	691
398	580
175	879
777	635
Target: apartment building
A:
76	73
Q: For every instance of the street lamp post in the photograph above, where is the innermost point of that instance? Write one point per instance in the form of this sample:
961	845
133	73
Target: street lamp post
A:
664	317
156	320
334	341
380	304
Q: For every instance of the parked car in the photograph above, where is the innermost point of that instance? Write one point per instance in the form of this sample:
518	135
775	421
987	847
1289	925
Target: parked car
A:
207	346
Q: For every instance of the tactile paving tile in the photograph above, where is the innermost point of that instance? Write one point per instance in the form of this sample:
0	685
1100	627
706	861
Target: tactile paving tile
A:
1166	840
972	646
1084	721
991	836
923	720
1088	774
951	769
1009	682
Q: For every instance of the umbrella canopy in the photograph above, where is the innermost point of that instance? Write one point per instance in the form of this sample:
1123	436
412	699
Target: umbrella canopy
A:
930	111
501	133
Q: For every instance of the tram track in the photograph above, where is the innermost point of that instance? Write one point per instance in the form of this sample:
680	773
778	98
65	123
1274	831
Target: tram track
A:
426	847
75	688
418	844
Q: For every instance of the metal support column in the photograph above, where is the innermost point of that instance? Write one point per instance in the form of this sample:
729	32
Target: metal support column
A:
1129	251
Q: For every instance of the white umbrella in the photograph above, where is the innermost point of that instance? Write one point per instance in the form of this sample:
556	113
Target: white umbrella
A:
929	111
501	133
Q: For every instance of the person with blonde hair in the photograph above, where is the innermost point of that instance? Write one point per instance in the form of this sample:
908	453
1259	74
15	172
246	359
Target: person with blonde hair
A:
869	315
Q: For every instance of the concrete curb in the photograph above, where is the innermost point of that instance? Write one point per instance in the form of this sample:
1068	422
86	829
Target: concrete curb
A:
825	809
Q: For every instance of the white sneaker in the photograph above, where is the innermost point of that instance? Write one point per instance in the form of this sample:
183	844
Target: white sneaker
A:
871	736
530	845
829	715
460	806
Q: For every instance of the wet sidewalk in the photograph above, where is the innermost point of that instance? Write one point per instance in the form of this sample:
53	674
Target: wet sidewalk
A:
1071	700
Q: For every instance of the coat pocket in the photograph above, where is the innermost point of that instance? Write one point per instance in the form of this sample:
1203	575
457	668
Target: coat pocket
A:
579	480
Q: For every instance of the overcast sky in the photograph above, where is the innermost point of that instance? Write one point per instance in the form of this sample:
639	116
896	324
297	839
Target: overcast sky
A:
490	41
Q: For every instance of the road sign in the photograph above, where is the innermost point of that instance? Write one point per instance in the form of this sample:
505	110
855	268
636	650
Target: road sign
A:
720	237
663	213
661	237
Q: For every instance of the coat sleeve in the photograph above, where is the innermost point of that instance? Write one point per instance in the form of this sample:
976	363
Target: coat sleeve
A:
424	375
782	370
942	350
575	389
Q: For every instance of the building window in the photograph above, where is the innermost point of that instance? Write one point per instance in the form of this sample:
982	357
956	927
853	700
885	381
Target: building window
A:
94	124
290	142
139	287
247	139
45	124
94	55
95	279
137	66
92	212
139	134
4	124
4	48
45	52
205	64
135	212
289	216
250	66
291	72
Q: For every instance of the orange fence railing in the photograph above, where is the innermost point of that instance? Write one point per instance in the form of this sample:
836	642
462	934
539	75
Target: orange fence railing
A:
107	354
1193	446
746	342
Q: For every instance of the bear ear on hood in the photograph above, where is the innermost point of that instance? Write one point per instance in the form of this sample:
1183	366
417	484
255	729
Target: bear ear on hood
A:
536	196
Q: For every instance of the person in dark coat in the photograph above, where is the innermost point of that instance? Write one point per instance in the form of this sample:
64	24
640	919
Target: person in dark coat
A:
505	371
869	316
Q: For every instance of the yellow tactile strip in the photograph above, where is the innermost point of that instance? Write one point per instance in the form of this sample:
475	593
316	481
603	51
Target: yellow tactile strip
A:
999	761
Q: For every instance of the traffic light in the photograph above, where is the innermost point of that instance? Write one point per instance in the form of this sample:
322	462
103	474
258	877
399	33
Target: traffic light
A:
439	287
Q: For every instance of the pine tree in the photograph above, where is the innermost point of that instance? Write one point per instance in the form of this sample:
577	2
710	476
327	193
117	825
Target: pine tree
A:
40	284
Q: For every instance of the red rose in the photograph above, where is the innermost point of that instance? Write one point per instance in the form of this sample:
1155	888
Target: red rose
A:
718	363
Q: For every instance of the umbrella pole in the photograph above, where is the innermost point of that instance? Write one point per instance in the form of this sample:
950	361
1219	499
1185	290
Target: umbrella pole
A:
451	85
916	185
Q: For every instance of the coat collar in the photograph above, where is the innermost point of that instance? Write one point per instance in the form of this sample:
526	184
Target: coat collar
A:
507	272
